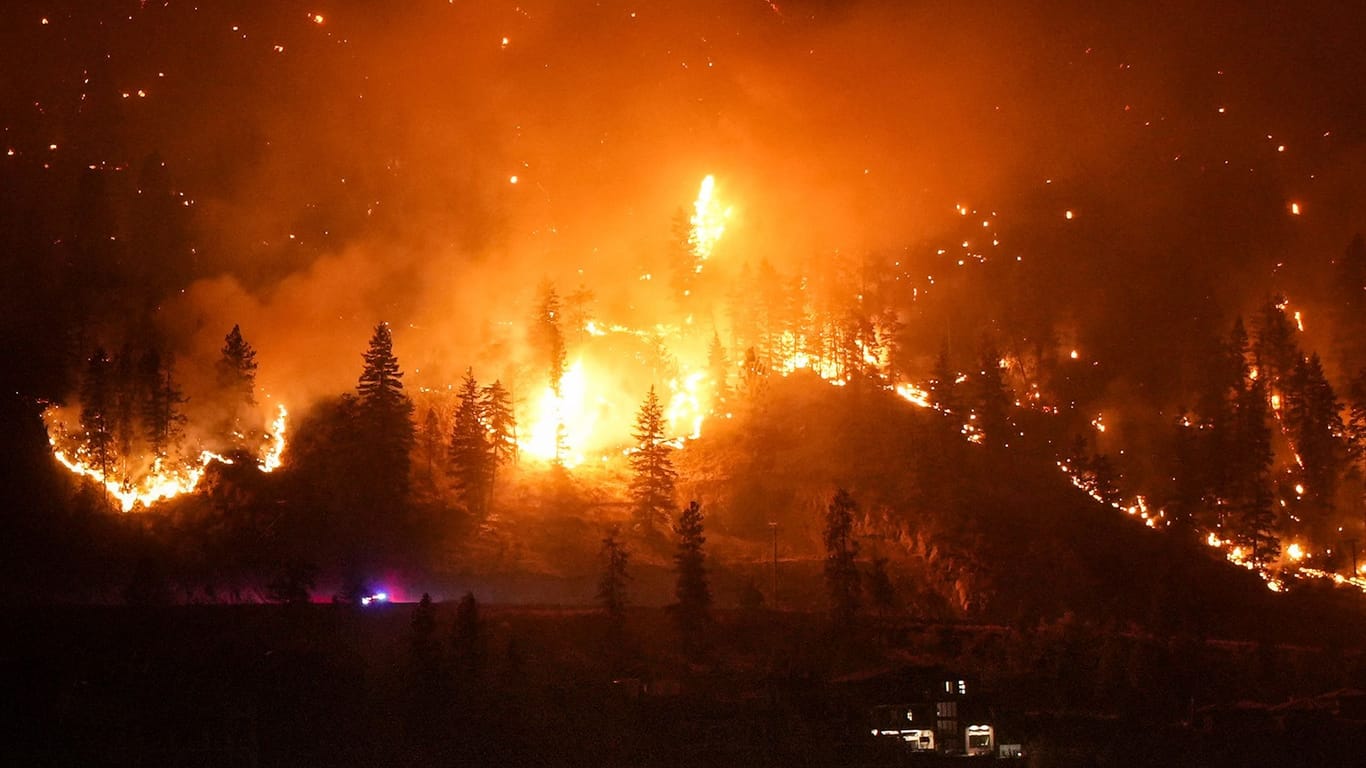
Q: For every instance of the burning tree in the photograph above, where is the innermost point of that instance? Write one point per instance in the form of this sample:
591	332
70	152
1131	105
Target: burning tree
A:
384	415
841	553
652	481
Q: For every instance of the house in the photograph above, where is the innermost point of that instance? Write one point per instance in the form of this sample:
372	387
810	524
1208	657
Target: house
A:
927	709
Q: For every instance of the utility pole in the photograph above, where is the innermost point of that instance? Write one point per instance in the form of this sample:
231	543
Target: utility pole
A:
774	527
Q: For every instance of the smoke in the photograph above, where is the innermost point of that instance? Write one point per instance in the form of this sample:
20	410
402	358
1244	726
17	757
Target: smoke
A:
362	169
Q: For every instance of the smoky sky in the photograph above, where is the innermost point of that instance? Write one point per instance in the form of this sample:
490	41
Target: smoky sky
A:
359	168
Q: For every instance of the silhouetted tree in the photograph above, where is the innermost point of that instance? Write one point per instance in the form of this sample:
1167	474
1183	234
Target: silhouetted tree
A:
161	417
1275	350
96	418
944	383
653	474
425	653
500	421
127	397
293	584
424	617
1254	516
384	414
612	584
467	636
1313	417
430	451
992	398
691	589
841	553
471	453
880	589
236	373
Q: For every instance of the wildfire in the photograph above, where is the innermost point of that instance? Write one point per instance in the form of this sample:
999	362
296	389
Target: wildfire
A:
160	482
708	222
560	425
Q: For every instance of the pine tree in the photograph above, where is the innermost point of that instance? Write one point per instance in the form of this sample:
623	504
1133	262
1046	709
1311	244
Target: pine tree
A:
161	417
431	451
384	415
96	418
841	554
500	421
236	373
471	453
1313	417
550	335
880	588
993	398
127	397
653	474
237	368
612	584
718	367
1254	517
944	382
691	589
1275	349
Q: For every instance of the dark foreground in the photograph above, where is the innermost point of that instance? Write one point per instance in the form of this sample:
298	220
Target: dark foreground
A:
335	686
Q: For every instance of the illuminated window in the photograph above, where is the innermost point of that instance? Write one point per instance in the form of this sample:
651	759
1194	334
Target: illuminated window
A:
962	688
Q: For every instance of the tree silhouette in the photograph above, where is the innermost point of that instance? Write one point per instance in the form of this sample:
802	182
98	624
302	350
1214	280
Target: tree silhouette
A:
384	416
841	553
1275	350
1254	517
653	474
880	588
467	637
500	421
471	453
96	418
1313	417
691	589
162	420
293	583
992	397
612	584
236	374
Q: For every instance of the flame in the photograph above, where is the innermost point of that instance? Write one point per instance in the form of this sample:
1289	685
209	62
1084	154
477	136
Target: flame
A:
561	425
160	482
685	403
273	457
708	222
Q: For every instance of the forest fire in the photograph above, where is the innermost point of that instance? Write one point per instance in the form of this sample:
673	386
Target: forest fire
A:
161	480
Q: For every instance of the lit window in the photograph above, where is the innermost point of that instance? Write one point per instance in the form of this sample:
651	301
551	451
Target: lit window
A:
962	688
